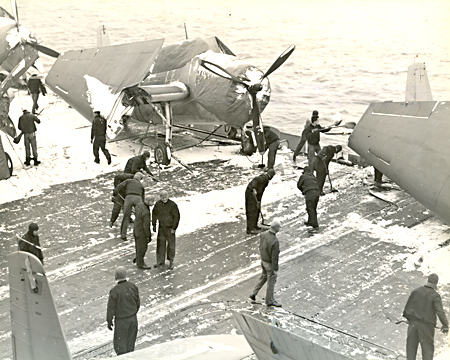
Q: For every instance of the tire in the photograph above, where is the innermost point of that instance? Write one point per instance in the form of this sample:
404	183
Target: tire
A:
9	163
162	154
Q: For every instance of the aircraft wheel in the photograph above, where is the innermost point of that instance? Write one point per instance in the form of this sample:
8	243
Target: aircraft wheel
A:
9	163
162	154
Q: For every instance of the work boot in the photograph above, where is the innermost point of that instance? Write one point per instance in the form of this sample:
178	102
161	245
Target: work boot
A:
36	161
252	297
274	303
307	223
111	224
158	265
171	265
109	160
144	267
27	161
97	161
313	230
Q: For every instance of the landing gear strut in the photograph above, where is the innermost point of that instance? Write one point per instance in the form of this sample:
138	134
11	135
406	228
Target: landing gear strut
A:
163	153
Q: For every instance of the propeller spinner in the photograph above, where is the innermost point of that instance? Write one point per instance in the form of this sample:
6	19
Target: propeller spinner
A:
253	89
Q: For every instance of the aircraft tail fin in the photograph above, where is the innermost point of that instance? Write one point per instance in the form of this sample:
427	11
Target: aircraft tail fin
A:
35	327
417	84
102	36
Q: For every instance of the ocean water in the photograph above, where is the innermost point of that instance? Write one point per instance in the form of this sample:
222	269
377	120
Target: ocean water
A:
348	53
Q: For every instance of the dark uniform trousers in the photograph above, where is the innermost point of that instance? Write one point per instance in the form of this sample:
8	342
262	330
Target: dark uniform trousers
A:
251	210
273	148
100	142
311	200
118	203
165	239
423	333
321	172
267	275
141	245
125	333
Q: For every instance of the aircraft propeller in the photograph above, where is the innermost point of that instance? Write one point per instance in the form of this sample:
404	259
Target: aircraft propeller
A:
31	41
253	89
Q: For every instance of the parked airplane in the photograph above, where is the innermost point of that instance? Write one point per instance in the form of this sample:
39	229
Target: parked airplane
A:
192	82
408	142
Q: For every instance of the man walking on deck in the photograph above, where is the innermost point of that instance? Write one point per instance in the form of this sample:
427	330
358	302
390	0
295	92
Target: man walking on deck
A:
98	137
142	233
312	134
302	141
28	128
322	162
307	184
421	309
35	87
253	195
134	194
167	214
123	305
269	250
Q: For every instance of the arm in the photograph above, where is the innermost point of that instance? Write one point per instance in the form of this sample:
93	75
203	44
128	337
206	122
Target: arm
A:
154	216
147	222
176	216
110	310
36	119
275	255
437	302
94	122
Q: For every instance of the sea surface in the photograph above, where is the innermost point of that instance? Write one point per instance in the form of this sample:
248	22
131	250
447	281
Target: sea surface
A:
348	53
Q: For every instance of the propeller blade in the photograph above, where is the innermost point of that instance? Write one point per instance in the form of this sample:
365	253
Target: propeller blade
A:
281	59
45	50
258	129
15	12
219	71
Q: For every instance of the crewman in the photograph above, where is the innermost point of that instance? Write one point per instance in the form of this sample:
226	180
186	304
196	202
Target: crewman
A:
138	163
30	242
167	214
253	195
134	194
307	184
98	137
269	249
322	162
36	87
312	134
119	199
302	141
142	233
27	126
423	304
123	305
272	142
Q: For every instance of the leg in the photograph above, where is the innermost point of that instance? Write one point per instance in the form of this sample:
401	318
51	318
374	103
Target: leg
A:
141	248
26	140
412	341
321	173
132	334
273	148
251	211
171	243
311	155
261	282
104	150
426	339
299	147
160	247
95	148
271	280
34	148
118	202
128	205
120	336
378	177
34	97
311	200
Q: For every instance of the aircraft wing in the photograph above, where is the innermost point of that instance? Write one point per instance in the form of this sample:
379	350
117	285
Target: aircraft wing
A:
79	76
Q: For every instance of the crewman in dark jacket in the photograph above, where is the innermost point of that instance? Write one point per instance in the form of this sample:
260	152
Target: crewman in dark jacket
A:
26	124
119	199
31	243
138	163
35	86
142	233
134	194
167	214
269	250
312	134
123	305
272	142
98	137
322	162
253	195
307	184
421	309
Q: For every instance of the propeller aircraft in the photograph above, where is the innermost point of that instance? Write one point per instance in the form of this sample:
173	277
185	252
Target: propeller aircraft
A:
197	81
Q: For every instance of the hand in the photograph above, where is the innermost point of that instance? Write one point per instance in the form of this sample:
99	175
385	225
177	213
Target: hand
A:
172	231
110	326
444	330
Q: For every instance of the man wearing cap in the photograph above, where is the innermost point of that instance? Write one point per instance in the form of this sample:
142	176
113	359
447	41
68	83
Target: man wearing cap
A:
302	141
272	142
98	137
312	134
253	194
167	214
35	86
307	184
31	242
28	128
141	232
421	309
123	305
134	194
269	250
138	163
322	162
